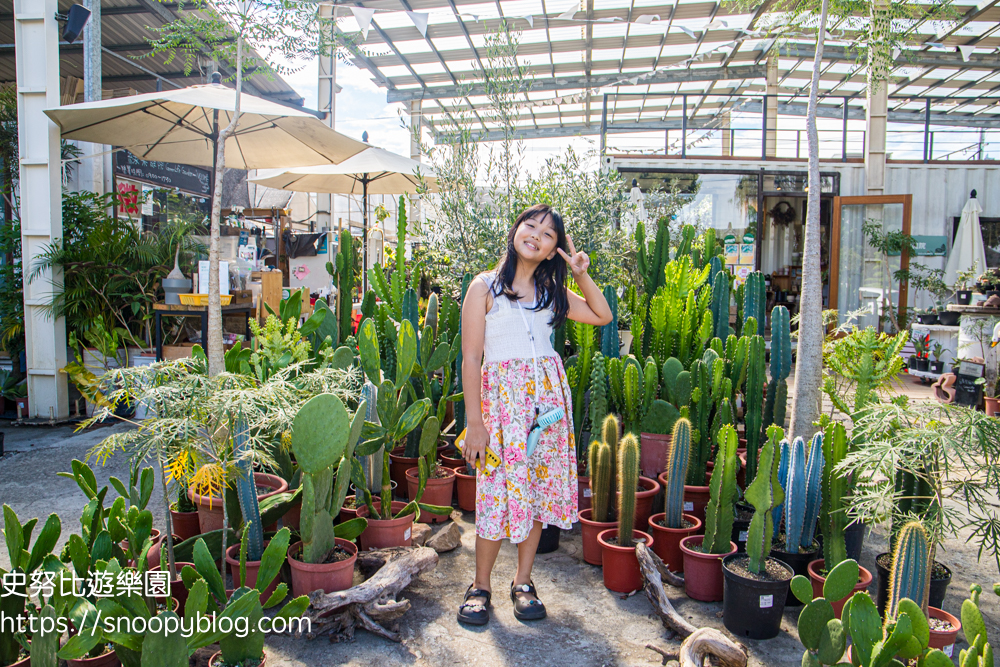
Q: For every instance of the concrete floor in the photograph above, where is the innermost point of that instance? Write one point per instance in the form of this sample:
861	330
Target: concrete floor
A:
587	624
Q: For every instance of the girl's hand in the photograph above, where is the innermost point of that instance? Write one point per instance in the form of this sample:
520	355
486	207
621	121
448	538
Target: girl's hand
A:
476	439
578	262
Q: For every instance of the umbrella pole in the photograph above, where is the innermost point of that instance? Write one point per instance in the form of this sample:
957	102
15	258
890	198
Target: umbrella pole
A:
364	237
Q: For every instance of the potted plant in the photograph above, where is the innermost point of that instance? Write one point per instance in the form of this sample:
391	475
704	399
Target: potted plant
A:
988	282
620	565
756	585
937	366
672	525
921	346
927	315
465	488
600	516
184	515
656	428
430	482
802	483
962	292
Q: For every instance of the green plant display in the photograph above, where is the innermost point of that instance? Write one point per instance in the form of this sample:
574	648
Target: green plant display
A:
722	490
764	493
863	365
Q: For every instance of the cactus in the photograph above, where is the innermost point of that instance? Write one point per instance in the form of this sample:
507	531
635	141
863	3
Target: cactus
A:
246	489
764	493
628	482
411	311
753	303
910	575
833	510
722	488
585	344
609	331
651	261
736	362
754	413
600	480
431	317
346	264
609	435
715	265
701	407
427	463
660	418
720	306
782	479
399	274
598	391
669	372
688	233
678	459
979	653
802	493
781	363
633	399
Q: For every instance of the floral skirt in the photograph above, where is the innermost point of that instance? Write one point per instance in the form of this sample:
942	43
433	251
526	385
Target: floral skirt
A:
523	489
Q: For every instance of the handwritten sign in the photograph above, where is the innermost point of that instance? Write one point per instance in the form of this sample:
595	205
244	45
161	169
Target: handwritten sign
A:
967	392
192	180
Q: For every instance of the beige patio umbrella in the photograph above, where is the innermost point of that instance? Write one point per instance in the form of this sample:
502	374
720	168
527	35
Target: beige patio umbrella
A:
968	250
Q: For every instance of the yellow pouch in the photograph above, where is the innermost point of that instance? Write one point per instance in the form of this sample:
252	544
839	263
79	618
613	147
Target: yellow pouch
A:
492	460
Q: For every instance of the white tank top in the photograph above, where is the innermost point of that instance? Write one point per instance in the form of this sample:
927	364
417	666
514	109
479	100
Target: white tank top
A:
506	335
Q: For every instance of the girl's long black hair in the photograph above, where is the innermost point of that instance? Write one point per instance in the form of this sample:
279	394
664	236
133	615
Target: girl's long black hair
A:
550	276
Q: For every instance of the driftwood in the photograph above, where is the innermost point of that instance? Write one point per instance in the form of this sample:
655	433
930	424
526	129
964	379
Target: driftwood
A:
652	574
706	642
371	605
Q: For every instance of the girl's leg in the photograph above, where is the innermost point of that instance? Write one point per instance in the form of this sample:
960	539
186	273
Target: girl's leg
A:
486	557
526	554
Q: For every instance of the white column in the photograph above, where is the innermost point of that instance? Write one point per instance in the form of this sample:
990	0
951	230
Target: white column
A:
36	39
327	103
772	105
877	109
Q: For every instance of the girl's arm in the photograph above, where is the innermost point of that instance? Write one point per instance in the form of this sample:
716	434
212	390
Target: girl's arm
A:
474	310
592	308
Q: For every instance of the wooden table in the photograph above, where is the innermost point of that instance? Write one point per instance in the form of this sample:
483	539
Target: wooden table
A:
172	310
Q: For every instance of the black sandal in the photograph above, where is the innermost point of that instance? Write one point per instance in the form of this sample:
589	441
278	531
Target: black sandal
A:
475	613
526	610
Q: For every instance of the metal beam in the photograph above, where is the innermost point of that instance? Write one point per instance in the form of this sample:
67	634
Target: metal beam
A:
857	113
667	76
911	59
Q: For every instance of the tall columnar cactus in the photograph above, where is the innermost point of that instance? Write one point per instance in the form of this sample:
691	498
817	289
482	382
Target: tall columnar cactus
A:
720	305
715	265
736	362
346	261
764	493
753	303
585	336
802	494
651	260
609	331
246	491
910	576
781	364
628	482
833	506
610	436
598	391
400	272
677	464
688	232
754	413
719	512
600	480
785	456
633	398
431	316
701	410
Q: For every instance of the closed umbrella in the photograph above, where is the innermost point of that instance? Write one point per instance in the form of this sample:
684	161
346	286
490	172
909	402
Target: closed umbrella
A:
968	250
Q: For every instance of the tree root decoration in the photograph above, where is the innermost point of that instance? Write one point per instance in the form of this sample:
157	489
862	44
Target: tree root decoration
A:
705	642
652	568
371	605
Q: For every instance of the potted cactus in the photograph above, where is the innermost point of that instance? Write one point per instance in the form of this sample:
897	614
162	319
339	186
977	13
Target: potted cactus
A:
323	440
756	585
937	366
429	481
979	653
703	554
656	428
671	526
600	515
620	565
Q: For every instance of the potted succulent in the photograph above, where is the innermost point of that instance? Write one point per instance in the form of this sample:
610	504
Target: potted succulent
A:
927	315
937	366
755	585
921	345
430	482
600	516
672	525
962	292
184	515
620	565
988	282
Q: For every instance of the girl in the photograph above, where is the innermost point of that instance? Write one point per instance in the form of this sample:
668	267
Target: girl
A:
511	375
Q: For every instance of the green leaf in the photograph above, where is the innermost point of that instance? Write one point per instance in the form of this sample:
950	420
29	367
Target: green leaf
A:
164	649
865	628
430	431
279	594
802	589
351	529
45	542
368	349
812	623
411	418
295	608
937	658
118	485
440	510
13	536
918	623
273	558
197	600
832	642
319	433
145	486
205	565
840	581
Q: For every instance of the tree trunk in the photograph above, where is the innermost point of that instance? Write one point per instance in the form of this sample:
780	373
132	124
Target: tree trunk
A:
809	358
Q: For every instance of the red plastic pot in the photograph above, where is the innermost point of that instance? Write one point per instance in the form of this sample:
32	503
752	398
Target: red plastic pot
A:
644	501
695	497
383	533
864	579
453	463
348	513
109	659
292	517
944	640
703	578
185	524
216	660
210	507
590	529
667	541
653	453
153	555
328	577
233	559
992	406
583	492
178	590
465	487
398	465
436	492
620	565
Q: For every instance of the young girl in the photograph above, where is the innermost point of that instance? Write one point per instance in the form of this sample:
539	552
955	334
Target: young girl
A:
511	375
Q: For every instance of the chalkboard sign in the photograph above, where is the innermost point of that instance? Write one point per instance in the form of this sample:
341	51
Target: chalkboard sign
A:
967	392
193	180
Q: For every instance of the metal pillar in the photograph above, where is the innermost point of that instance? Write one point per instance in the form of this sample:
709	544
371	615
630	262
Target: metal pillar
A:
684	127
727	135
763	130
604	124
876	116
327	103
927	129
36	39
771	128
416	113
843	134
92	169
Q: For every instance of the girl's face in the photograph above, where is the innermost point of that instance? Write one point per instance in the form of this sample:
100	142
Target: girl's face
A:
536	238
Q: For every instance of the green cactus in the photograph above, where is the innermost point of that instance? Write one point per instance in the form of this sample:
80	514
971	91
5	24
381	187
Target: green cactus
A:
609	331
722	489
628	482
600	481
754	411
427	462
979	653
753	303
833	506
764	493
910	575
431	317
633	398
586	343
720	305
688	233
660	419
701	410
610	434
651	261
460	419
678	458
598	391
736	362
346	264
400	270
781	364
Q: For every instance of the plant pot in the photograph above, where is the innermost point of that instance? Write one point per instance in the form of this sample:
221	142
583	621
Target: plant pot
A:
922	365
911	362
549	541
109	659
453	463
178	591
292	518
935	595
695	497
741	527
153	555
328	577
348	513
949	318
620	565
383	533
154	535
752	608
653	453
438	491
854	539
799	564
928	318
210	507
864	580
667	541
992	407
943	639
644	501
216	660
589	530
937	366
583	492
702	572
465	488
964	297
233	560
398	465
185	524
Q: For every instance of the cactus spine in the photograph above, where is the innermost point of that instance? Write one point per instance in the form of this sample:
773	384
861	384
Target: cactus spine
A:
802	494
609	331
720	305
677	464
600	480
628	481
781	364
753	303
754	414
833	512
719	512
764	493
911	568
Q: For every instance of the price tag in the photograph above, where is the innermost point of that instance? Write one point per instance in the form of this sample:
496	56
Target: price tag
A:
948	650
744	535
689	506
406	535
587	493
766	601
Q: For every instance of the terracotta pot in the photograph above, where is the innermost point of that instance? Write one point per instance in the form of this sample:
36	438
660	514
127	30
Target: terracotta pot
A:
992	406
185	524
465	488
348	513
109	659
328	577
154	535
667	541
702	572
583	492
944	640
383	533
453	463
153	555
210	507
216	660
436	492
292	518
590	529
695	497
233	559
653	453
398	465
620	565
644	501
864	579
178	590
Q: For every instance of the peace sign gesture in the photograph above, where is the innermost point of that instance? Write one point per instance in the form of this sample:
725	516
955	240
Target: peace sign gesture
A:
578	262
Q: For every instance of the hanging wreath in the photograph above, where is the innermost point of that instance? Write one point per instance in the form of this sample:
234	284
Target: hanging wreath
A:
782	214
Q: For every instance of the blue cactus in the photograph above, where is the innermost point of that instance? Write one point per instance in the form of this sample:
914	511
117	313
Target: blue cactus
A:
781	364
677	464
246	489
803	494
782	479
753	302
720	306
609	332
715	265
814	489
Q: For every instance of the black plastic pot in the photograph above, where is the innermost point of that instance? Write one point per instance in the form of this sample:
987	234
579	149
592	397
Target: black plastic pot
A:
935	597
740	528
964	297
928	318
937	367
949	318
854	540
752	609
799	564
549	541
922	364
912	362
